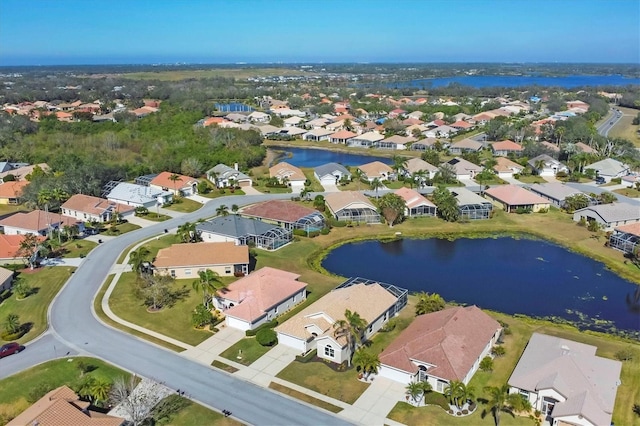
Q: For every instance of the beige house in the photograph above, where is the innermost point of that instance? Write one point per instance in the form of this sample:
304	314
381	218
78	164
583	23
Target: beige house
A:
351	206
260	297
88	208
513	197
292	175
312	328
376	169
186	260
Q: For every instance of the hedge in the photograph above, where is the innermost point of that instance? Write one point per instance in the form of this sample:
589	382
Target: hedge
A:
268	324
307	357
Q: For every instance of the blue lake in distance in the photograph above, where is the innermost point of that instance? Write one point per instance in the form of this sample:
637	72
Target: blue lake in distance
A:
480	81
301	157
514	276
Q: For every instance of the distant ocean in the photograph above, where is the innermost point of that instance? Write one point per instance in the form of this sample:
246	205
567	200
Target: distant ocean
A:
480	81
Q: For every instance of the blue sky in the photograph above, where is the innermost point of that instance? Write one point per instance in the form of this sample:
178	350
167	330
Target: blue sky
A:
47	32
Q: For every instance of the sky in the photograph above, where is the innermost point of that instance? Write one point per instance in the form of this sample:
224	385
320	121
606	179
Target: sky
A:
70	32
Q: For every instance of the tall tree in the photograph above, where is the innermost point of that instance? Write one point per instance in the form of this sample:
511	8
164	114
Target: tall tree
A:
175	178
358	175
138	257
44	198
392	207
206	284
428	303
350	328
222	210
29	249
398	164
446	174
415	391
188	234
366	361
376	184
59	195
498	402
447	204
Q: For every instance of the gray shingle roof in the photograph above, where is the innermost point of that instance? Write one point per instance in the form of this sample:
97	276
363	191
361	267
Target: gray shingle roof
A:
554	190
609	167
136	194
226	172
234	226
330	169
614	212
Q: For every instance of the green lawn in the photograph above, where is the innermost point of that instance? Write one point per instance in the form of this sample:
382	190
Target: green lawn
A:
434	415
197	415
9	209
319	377
160	242
120	229
184	205
628	192
155	217
172	321
304	397
246	351
315	185
77	248
531	179
14	390
46	283
215	193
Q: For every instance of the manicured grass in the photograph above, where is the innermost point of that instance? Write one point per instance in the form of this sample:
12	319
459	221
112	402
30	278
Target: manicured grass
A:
14	390
197	415
46	283
9	209
97	306
246	351
155	217
304	397
624	129
77	248
184	205
531	179
120	229
215	193
172	321
434	415
160	242
315	185
628	192
319	377
222	366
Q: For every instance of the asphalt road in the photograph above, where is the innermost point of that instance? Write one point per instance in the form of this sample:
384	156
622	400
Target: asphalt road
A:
74	328
611	120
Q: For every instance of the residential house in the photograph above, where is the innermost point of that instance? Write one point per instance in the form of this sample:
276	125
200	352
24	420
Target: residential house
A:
566	381
505	168
396	142
471	206
424	144
342	137
415	130
514	198
351	206
259	297
21	173
292	132
10	247
625	237
465	170
555	192
62	406
416	204
331	173
11	192
317	123
318	135
286	214
175	183
461	125
544	165
313	327
259	117
292	121
443	131
266	129
36	222
376	170
243	231
6	279
441	347
506	147
609	169
88	208
551	147
131	194
607	215
224	176
584	148
366	140
287	112
464	146
186	260
286	173
415	165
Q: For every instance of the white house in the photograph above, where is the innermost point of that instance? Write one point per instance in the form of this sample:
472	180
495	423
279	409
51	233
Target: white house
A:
331	173
545	165
222	176
609	215
134	195
609	169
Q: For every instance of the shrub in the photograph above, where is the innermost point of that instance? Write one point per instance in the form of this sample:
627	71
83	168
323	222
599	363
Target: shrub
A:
593	226
561	174
38	391
522	210
465	412
626	354
300	232
486	364
582	222
325	231
498	350
201	316
544	210
616	180
268	324
267	337
307	357
168	407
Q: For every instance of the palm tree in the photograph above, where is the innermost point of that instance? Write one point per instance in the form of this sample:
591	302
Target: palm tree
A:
419	178
453	392
188	233
428	303
223	210
375	185
11	323
60	196
467	392
498	402
206	284
138	257
174	178
539	165
367	362
398	164
44	198
358	175
351	328
99	389
415	391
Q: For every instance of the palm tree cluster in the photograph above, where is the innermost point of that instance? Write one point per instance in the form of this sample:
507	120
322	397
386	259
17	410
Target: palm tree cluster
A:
500	400
458	393
428	303
417	390
208	283
351	328
187	233
366	362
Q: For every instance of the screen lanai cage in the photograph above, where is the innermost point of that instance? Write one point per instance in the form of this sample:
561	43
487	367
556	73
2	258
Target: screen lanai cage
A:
272	239
310	223
475	211
624	241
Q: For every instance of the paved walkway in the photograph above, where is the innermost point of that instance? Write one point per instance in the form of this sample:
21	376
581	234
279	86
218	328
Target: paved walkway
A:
208	351
330	187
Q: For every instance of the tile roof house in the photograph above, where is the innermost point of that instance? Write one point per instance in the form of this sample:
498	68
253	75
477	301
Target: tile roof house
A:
222	176
609	169
424	144
21	173
10	246
608	215
342	136
555	192
259	297
465	145
443	131
625	237
10	192
186	260
131	194
183	185
285	172
376	169
396	142
544	165
351	206
441	347
506	147
415	165
470	205
465	170
285	213
312	328
513	197
6	278
62	407
366	140
243	231
318	135
584	148
88	208
550	146
36	222
331	173
566	381
416	204
506	168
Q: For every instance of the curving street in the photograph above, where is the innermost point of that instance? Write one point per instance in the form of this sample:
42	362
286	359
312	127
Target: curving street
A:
74	329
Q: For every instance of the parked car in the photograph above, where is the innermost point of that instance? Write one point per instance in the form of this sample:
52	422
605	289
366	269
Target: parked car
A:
10	349
600	180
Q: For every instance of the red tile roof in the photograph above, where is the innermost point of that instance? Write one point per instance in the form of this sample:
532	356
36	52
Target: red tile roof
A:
36	220
10	245
343	134
506	145
451	340
280	210
163	181
515	195
94	205
12	189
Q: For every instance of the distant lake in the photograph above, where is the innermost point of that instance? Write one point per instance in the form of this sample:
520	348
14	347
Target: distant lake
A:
514	276
480	81
301	157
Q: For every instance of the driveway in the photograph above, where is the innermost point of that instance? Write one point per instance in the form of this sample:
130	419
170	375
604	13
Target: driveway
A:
250	190
330	187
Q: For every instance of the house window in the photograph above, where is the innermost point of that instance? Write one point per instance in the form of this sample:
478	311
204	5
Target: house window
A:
328	351
187	271
173	273
441	385
227	269
524	393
